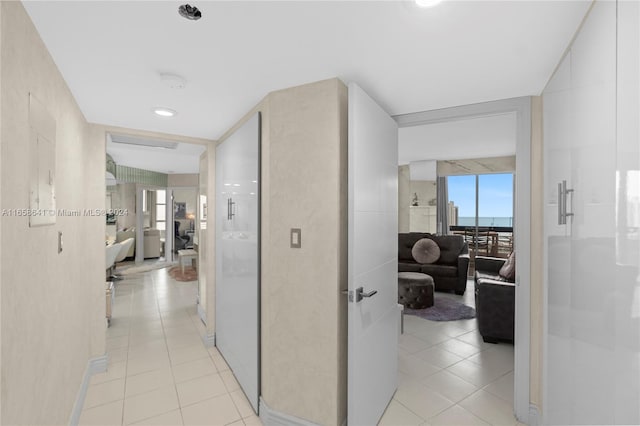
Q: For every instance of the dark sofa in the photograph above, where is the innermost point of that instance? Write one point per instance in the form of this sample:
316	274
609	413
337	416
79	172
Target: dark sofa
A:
495	301
449	272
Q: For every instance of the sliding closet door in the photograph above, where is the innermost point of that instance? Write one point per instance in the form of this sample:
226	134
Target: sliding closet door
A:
238	255
591	228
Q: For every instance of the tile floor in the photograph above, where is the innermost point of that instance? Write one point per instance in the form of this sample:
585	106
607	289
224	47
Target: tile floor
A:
449	376
160	372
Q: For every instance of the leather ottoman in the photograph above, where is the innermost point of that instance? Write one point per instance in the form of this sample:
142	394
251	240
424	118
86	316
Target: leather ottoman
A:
415	290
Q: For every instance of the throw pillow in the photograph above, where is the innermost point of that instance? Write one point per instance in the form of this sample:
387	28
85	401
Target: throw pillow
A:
425	250
508	270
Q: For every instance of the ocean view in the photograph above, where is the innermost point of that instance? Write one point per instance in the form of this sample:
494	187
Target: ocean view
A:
485	221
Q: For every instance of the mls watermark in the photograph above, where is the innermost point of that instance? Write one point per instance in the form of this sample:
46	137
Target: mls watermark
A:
64	212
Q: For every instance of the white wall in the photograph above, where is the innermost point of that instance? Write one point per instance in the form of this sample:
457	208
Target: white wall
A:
52	305
480	137
404	198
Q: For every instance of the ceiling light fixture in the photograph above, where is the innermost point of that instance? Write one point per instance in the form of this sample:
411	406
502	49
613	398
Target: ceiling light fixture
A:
427	3
189	12
144	142
164	112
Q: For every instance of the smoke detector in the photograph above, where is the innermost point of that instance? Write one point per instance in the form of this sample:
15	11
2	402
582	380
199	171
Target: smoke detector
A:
189	12
173	81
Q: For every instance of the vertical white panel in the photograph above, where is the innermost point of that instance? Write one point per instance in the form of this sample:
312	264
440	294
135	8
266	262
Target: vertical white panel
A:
237	256
373	248
626	299
591	141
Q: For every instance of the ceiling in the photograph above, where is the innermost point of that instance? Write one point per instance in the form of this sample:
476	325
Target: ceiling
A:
481	137
408	59
183	159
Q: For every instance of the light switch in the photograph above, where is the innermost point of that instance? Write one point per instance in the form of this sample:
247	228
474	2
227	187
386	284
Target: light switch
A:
296	238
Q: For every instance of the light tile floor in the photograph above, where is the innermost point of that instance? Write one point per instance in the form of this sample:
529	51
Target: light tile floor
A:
160	372
449	376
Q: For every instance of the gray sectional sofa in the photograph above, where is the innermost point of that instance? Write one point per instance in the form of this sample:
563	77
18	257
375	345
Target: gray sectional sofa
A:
449	272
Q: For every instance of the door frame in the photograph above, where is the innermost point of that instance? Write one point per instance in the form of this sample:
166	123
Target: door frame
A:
522	232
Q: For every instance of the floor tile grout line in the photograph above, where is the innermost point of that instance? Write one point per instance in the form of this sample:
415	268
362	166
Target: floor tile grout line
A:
175	385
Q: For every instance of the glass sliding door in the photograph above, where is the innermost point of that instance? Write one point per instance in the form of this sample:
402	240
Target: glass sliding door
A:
495	213
485	211
462	192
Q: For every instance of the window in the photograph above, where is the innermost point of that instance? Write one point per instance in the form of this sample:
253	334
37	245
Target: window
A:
483	200
161	210
485	211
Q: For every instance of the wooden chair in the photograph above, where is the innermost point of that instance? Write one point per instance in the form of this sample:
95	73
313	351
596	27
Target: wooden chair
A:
479	242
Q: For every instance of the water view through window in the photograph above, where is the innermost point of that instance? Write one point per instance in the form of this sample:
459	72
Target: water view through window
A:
494	197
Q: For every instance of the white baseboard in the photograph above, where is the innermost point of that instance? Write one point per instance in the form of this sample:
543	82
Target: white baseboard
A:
270	417
202	314
94	366
209	340
534	415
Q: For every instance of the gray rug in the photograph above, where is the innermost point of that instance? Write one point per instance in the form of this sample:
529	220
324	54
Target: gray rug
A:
444	309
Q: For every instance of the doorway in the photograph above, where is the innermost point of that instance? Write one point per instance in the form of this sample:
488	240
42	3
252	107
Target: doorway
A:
522	108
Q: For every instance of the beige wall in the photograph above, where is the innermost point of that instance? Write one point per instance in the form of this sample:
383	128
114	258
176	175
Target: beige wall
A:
52	304
303	312
425	189
125	198
178	180
537	231
404	198
304	177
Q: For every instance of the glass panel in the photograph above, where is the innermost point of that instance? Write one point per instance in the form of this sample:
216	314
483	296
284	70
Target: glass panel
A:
495	209
495	198
462	192
161	212
161	196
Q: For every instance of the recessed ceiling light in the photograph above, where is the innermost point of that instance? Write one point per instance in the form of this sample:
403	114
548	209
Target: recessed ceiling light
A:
427	3
164	112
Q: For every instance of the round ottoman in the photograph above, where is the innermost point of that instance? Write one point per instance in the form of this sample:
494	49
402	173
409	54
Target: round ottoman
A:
415	290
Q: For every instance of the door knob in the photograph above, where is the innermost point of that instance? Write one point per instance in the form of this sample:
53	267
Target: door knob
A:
360	294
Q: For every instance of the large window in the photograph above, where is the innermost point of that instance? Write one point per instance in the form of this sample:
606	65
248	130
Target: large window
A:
483	200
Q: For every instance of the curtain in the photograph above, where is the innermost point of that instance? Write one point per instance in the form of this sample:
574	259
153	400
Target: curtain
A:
442	212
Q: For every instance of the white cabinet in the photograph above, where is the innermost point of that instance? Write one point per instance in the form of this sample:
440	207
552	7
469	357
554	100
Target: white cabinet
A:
592	349
422	219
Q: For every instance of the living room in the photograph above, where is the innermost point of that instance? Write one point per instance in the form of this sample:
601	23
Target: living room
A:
440	165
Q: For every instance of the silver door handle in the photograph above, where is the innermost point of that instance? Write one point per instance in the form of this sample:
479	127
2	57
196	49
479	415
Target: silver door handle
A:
371	293
563	192
359	294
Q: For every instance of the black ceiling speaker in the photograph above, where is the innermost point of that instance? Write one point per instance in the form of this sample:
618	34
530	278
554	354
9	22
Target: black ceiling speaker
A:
189	12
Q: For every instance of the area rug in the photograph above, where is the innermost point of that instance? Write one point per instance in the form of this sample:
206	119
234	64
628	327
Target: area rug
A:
444	309
190	274
130	270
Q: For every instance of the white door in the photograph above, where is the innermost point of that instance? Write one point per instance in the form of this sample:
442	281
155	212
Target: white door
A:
373	313
238	256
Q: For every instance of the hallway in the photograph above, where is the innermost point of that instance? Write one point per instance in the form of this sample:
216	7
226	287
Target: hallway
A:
159	370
